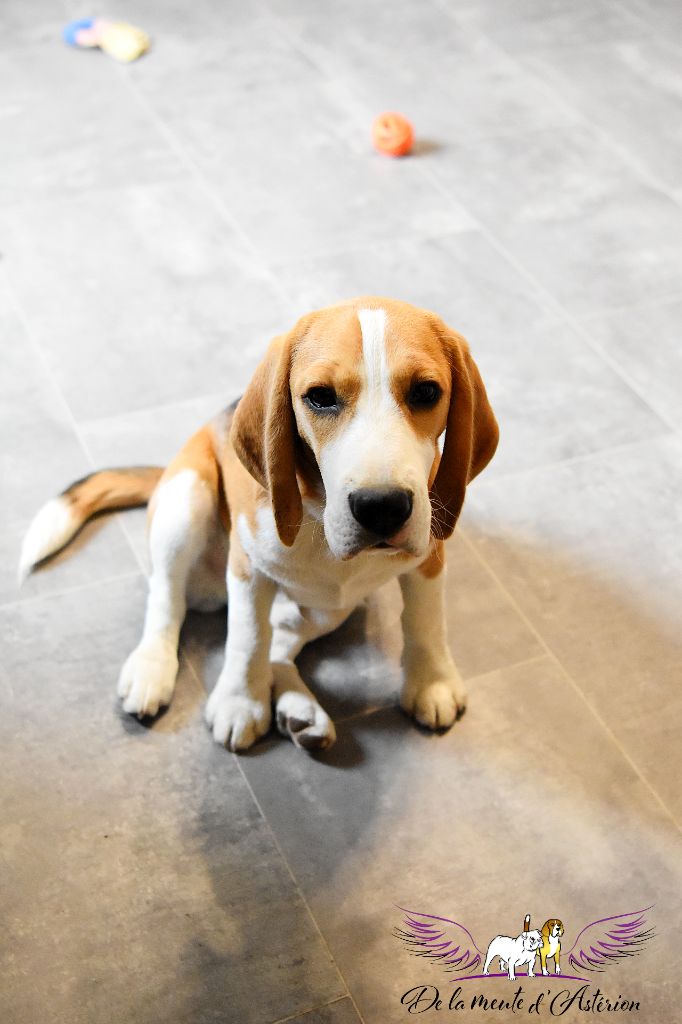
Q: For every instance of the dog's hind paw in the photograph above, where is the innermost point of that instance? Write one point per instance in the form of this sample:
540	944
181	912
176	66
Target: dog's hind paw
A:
302	719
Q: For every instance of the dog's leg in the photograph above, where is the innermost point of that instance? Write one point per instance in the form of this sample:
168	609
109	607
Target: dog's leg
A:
298	713
557	964
183	515
238	710
512	965
433	691
543	959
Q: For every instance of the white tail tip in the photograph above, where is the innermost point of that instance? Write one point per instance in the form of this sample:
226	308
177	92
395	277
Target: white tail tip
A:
53	527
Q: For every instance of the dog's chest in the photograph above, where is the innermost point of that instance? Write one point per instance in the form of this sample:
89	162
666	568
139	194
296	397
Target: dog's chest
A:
309	574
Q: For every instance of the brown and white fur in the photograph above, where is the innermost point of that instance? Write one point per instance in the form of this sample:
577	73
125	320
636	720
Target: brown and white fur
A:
552	931
286	505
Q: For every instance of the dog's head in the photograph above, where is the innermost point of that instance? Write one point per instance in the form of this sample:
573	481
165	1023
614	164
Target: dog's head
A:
532	940
347	409
553	928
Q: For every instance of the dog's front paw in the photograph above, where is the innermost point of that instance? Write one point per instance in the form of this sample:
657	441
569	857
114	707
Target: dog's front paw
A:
302	719
545	971
147	679
558	970
437	705
237	720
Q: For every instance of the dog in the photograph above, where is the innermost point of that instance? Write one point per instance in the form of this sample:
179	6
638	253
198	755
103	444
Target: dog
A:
552	931
324	481
514	953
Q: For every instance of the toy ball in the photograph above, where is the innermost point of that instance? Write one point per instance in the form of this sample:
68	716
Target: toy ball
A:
121	41
392	134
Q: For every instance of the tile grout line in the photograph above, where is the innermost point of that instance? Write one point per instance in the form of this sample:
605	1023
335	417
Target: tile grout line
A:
229	219
603	135
552	303
669	299
72	422
518	60
415	236
504	668
131	574
479	677
554	658
297	887
375	709
555	306
571	460
624	152
96	421
195	171
635	16
232	219
299	890
393	703
312	1009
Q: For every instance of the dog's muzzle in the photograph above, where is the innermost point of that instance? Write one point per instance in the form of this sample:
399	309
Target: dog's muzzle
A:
381	510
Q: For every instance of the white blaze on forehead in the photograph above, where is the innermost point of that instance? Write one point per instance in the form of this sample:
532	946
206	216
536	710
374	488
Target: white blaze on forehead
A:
375	446
373	328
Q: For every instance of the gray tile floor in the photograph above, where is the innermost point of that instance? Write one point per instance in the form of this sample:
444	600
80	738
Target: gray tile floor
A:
158	223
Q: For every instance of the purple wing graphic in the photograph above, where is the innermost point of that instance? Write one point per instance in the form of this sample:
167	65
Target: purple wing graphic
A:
610	939
441	939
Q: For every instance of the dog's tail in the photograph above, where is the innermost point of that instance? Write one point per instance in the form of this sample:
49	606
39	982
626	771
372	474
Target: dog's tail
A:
61	518
526	923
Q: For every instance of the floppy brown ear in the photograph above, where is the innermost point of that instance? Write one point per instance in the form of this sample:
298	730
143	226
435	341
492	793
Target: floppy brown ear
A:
471	434
264	435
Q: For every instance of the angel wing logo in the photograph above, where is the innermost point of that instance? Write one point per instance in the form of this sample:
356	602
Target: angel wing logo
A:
453	948
441	939
609	939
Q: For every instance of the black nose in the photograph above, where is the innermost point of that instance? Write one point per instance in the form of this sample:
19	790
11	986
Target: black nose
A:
381	510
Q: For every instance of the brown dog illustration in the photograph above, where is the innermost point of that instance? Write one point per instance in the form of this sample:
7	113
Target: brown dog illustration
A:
552	931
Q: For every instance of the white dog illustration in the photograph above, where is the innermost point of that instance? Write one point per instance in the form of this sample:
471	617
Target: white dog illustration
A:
514	953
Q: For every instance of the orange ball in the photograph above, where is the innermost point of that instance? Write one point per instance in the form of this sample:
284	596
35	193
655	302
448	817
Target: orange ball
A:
392	134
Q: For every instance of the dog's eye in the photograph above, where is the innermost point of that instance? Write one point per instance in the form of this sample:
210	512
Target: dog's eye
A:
424	394
321	399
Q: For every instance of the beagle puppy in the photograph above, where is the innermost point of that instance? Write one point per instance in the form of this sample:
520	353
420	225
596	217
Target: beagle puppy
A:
323	482
552	931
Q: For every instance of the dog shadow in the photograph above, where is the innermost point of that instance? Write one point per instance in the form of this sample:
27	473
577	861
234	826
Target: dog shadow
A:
600	631
355	672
